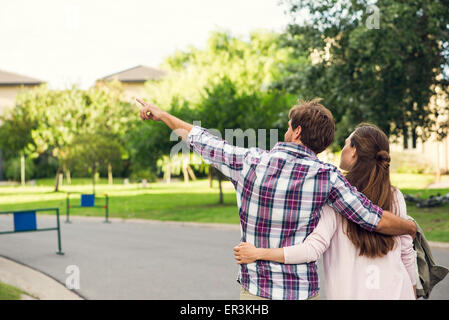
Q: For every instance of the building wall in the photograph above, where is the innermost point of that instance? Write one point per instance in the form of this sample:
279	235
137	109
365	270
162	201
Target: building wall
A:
8	96
434	152
133	90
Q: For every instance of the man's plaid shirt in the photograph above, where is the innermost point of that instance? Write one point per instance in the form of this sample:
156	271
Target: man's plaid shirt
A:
280	194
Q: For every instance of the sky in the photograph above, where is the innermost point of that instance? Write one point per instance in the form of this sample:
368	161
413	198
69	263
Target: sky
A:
67	42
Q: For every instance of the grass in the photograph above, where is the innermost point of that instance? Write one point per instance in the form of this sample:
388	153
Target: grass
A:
411	181
159	201
194	201
8	292
434	221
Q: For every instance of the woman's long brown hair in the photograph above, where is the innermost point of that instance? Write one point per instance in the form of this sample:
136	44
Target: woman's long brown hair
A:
371	176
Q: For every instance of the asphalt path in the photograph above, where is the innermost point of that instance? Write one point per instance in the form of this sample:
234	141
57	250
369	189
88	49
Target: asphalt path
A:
143	259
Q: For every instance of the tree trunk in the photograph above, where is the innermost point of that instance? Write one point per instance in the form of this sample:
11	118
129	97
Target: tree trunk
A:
22	170
61	177
210	177
186	175
93	178
67	175
110	181
405	135
191	173
58	172
220	188
414	138
168	174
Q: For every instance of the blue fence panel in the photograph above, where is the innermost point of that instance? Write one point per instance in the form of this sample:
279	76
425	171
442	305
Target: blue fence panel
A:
25	221
87	200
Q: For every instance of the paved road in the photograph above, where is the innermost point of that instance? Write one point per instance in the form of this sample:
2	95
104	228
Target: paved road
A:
142	260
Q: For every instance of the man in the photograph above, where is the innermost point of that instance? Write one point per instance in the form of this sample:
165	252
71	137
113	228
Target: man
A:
280	194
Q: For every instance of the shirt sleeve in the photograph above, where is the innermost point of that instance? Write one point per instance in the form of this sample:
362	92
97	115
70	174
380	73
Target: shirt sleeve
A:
408	254
227	158
316	243
352	204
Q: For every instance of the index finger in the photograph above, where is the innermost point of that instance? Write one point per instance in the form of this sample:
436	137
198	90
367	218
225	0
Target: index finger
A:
140	101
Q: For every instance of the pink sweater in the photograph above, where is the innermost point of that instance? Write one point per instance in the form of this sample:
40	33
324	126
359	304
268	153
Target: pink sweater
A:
350	276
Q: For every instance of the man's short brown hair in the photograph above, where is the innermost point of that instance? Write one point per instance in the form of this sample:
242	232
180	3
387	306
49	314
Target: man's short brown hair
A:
317	124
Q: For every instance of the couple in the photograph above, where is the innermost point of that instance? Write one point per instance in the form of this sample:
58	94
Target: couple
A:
288	200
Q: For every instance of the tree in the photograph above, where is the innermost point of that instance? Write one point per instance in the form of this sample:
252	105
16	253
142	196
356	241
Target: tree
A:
90	152
15	136
251	64
385	76
56	117
108	114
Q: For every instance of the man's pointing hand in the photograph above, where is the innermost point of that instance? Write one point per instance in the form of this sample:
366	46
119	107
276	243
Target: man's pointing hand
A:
150	111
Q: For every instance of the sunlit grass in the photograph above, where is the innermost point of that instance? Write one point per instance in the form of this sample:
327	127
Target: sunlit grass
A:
177	201
194	201
411	181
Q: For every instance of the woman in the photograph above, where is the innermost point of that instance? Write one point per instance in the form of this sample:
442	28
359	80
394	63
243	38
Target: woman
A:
357	264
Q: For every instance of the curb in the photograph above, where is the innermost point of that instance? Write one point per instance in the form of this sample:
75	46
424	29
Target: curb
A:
223	226
37	284
442	245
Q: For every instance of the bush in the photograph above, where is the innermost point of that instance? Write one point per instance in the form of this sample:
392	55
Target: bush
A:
138	174
46	166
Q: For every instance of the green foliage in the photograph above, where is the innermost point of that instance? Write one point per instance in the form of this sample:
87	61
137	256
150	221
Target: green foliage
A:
12	168
89	152
386	76
15	131
139	173
53	122
147	143
223	107
46	166
252	65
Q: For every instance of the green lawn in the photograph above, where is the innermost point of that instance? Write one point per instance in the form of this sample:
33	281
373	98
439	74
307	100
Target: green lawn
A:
434	221
159	201
193	202
411	181
8	292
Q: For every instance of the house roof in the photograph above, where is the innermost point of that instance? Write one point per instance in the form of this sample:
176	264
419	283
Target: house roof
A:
11	79
136	74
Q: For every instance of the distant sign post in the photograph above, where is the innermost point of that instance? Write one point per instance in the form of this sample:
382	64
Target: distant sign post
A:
25	221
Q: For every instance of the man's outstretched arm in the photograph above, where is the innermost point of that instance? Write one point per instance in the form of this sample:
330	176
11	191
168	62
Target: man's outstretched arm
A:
225	157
